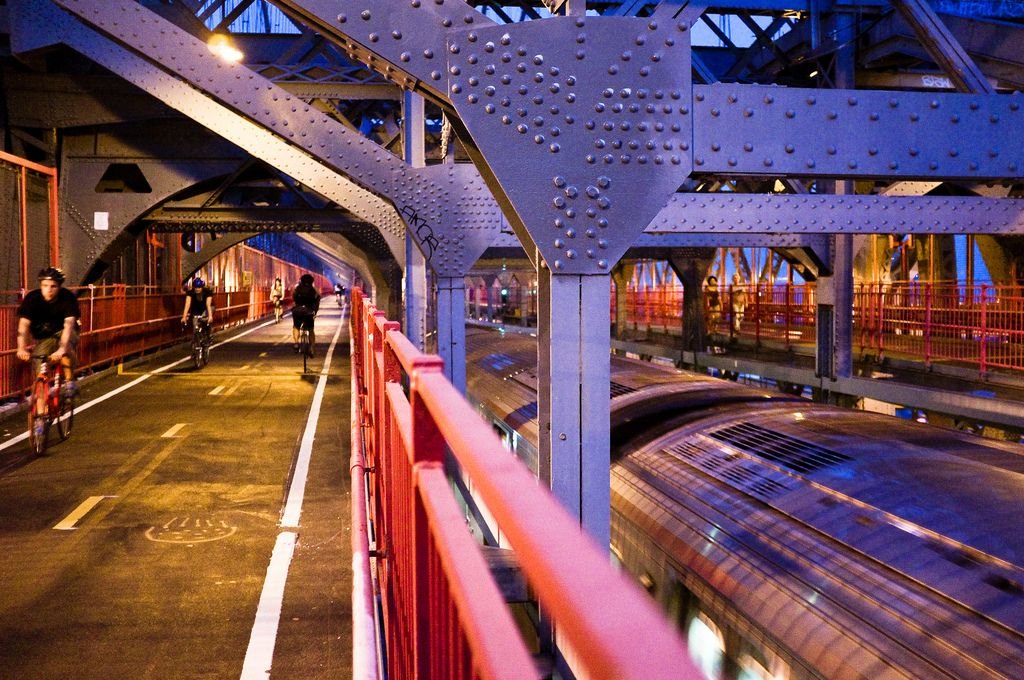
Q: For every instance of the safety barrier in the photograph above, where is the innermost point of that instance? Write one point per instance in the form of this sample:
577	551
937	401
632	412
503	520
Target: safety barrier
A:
443	614
120	321
980	325
947	322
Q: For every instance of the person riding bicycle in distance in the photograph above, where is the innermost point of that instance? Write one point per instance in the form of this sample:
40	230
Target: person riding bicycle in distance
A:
277	292
49	315
198	302
307	304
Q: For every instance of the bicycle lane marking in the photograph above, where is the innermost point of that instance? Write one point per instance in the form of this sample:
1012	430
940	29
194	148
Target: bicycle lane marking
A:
78	513
262	640
146	376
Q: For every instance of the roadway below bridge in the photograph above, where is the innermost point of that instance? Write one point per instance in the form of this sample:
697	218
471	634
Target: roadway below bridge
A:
195	525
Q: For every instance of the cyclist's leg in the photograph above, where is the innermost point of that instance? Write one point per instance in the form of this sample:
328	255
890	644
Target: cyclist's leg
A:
296	325
40	356
69	362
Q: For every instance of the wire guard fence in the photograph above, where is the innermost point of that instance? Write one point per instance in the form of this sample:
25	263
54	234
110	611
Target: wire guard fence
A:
119	321
443	614
979	325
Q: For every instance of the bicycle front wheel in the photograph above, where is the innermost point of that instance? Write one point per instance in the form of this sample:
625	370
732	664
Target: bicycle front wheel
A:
197	351
65	410
38	418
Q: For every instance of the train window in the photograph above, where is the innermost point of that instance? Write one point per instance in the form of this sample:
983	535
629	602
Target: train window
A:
647	582
707	645
503	435
616	558
753	669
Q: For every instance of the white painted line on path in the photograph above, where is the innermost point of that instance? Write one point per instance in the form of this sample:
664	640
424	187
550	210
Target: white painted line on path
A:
260	652
293	507
127	386
216	390
173	431
85	506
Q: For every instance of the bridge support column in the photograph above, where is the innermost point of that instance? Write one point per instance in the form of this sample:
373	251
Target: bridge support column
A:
574	374
413	109
415	286
451	328
834	351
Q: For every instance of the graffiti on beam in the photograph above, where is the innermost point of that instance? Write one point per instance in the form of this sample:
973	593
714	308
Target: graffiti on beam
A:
424	232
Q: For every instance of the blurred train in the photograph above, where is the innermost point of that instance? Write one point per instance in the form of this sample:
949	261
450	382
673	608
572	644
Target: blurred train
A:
793	540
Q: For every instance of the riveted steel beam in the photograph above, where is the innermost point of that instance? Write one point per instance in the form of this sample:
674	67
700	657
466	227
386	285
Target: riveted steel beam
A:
725	239
942	46
582	124
282	130
404	42
289	219
86	239
759	130
192	262
756	213
338	250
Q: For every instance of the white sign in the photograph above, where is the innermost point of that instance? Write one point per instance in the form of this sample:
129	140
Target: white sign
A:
101	221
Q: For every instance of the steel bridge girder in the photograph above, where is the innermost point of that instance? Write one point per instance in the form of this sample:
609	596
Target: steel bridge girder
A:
276	127
853	214
773	131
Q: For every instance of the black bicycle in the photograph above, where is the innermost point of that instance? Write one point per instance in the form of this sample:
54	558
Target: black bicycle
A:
200	341
50	401
305	347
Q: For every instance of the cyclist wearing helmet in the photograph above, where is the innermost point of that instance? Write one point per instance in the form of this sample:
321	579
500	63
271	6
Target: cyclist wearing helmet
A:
307	304
198	302
49	315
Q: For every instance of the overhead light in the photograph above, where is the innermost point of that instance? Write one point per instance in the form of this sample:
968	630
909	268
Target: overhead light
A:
220	45
814	74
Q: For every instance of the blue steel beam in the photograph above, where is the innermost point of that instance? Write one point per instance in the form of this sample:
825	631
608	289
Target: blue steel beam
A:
853	134
447	208
809	213
585	126
753	160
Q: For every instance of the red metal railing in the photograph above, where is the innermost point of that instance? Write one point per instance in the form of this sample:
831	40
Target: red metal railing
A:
444	616
980	325
120	321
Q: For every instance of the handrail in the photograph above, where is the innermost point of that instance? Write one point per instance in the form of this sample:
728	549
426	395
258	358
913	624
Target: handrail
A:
980	325
445	604
122	322
364	656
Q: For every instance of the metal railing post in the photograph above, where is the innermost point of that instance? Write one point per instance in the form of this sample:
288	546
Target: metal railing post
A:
982	352
927	331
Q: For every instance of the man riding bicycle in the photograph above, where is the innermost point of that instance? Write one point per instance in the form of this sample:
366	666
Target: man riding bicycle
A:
199	303
307	304
49	315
